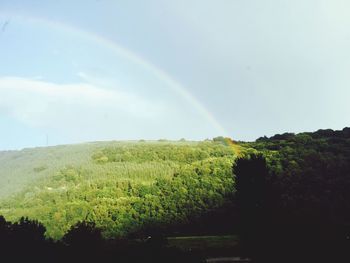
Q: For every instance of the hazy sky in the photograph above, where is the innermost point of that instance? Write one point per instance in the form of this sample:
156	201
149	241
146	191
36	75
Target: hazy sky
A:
99	70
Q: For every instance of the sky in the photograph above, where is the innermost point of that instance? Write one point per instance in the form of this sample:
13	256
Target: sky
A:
78	71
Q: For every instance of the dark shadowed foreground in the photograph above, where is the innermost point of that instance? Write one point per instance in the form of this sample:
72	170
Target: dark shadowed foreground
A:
25	242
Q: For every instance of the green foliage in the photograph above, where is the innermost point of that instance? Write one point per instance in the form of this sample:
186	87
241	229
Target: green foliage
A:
179	153
311	169
123	186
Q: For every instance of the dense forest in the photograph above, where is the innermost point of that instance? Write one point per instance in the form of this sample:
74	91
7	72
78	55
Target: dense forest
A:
311	171
286	197
298	186
124	187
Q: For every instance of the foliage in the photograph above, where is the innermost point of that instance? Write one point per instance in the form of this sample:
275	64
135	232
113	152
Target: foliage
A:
123	187
24	241
309	214
311	168
83	235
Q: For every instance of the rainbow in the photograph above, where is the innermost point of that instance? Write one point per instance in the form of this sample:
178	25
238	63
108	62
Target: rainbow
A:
127	54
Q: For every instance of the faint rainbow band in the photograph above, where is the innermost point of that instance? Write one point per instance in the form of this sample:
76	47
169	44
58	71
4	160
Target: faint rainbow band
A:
125	53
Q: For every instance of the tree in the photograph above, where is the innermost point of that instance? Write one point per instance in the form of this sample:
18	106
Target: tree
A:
252	200
83	235
28	231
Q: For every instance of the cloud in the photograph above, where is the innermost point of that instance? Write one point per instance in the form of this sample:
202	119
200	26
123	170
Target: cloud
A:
73	107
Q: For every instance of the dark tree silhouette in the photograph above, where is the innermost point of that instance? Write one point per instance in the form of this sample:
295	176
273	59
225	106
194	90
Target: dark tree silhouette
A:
84	235
4	233
252	196
23	240
28	230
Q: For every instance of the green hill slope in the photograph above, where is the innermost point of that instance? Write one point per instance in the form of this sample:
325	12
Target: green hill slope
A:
121	186
18	168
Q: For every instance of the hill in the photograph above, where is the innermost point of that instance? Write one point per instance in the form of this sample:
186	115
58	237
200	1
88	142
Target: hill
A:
284	195
121	186
127	187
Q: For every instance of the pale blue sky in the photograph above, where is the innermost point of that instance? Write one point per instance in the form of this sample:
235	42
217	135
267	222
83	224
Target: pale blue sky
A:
101	70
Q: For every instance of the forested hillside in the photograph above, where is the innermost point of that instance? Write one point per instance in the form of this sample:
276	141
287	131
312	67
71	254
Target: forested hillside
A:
18	168
128	187
293	195
312	170
121	186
